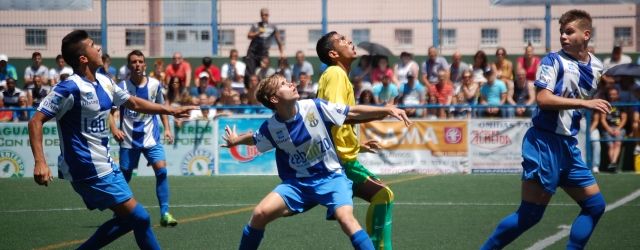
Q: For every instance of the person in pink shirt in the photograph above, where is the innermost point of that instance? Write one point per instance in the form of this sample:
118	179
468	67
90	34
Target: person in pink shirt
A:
179	68
382	69
529	62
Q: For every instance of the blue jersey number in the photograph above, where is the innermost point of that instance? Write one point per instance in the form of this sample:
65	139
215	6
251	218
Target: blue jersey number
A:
95	126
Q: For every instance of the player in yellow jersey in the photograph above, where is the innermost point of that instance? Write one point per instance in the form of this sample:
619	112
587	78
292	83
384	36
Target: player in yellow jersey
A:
338	53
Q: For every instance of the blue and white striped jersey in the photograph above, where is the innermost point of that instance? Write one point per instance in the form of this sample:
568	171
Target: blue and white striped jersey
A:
141	130
304	147
81	109
566	77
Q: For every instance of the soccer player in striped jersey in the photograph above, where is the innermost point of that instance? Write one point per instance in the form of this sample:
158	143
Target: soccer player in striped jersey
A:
306	158
81	106
566	82
338	52
139	133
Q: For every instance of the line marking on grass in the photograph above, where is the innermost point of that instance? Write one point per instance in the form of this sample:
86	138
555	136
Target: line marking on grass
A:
566	229
412	178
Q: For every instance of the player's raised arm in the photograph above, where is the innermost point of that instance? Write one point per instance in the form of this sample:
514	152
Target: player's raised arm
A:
231	138
364	113
143	106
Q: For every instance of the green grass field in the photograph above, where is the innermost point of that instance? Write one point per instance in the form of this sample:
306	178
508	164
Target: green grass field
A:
431	212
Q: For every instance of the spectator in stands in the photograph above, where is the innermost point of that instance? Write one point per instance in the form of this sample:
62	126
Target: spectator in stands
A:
385	92
480	65
366	98
36	68
5	115
469	92
24	114
457	68
412	93
203	87
524	93
107	69
234	69
441	92
306	88
493	93
177	95
595	144
265	70
211	69
616	58
6	71
301	66
179	68
503	67
284	69
613	127
529	62
65	73
205	112
359	86
261	34
432	66
251	90
54	72
362	71
227	93
37	92
381	70
158	73
12	94
404	66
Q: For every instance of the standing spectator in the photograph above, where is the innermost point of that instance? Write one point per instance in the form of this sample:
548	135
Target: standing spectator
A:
404	66
234	69
529	62
616	58
412	93
265	70
261	34
107	68
37	92
211	69
381	70
284	69
203	87
301	66
503	67
362	71
386	92
54	72
306	89
6	71
613	127
36	68
457	68
5	115
469	92
441	93
432	66
179	68
523	93
480	65
12	94
493	93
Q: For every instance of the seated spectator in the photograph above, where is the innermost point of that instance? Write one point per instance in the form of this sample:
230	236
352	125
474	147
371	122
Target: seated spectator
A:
234	69
404	66
359	86
204	88
177	95
456	69
613	127
306	89
385	92
381	70
211	69
441	93
206	111
480	65
5	115
493	93
251	90
616	58
158	73
179	68
301	66
362	71
227	93
6	71
265	70
412	93
469	92
529	62
524	93
24	114
54	72
107	69
36	68
503	67
37	92
284	69
11	94
366	98
432	66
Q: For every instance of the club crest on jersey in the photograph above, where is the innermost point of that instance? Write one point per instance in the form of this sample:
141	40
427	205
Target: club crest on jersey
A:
311	119
89	96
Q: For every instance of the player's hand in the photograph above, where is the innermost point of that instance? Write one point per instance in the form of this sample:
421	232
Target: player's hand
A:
42	173
598	105
229	136
400	115
370	146
183	111
168	136
118	135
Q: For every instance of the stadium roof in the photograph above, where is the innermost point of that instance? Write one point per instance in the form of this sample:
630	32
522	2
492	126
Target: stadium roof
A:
559	2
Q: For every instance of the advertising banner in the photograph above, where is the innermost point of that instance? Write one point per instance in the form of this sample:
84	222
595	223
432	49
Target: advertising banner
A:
243	160
495	145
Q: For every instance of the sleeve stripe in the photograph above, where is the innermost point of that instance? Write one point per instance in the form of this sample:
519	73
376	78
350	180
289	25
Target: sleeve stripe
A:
540	84
47	113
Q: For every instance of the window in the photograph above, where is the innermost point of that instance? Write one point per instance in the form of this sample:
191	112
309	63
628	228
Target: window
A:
533	36
622	36
96	35
404	37
360	35
489	37
135	37
314	36
227	37
181	35
36	37
169	35
448	37
204	35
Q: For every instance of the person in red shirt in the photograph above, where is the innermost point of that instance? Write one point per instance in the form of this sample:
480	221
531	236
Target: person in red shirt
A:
529	62
5	115
179	68
211	68
442	92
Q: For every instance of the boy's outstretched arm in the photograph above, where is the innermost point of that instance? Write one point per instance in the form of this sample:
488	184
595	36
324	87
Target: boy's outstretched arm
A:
231	138
365	113
547	100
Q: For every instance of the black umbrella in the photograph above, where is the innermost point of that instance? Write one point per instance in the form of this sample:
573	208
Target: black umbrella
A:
627	69
375	49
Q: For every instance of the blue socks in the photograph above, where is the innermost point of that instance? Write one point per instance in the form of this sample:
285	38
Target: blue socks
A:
512	226
251	238
141	223
361	241
138	220
108	232
162	190
592	209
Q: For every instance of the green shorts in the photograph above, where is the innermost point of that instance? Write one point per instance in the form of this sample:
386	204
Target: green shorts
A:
357	173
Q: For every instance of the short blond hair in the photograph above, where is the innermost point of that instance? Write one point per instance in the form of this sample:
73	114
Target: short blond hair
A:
268	88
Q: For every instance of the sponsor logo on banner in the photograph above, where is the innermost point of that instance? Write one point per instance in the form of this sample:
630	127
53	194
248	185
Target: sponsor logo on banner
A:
198	162
452	135
250	153
11	165
494	145
490	139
